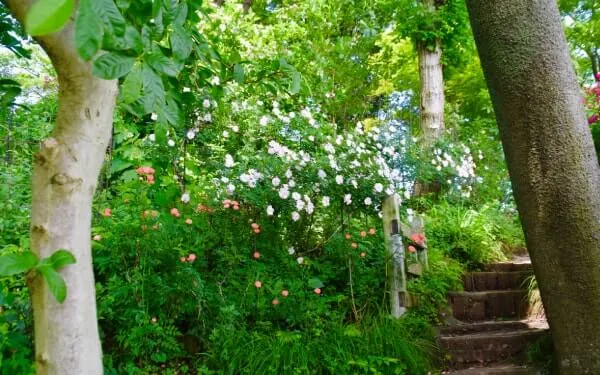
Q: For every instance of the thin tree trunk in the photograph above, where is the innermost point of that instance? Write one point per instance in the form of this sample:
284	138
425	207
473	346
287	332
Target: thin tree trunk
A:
595	63
65	175
552	164
432	87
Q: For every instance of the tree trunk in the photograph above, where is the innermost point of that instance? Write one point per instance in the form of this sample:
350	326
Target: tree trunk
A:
552	164
65	175
432	87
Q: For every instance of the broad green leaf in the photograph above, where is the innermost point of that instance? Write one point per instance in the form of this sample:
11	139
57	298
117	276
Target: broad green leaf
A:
9	90
154	90
88	30
170	112
62	258
238	73
112	19
315	283
131	89
56	283
112	65
181	43
163	64
48	16
118	165
180	14
12	264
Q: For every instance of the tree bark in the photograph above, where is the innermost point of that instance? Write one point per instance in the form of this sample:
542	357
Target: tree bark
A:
432	87
65	175
552	163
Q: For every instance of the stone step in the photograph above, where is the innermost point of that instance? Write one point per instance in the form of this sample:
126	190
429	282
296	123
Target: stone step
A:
486	326
508	267
488	305
481	281
488	347
495	370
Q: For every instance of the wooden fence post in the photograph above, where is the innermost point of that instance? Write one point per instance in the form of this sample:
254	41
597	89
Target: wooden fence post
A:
395	248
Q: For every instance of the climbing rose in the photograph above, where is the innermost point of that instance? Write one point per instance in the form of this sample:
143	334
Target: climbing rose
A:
348	236
191	257
182	259
97	237
411	249
257	284
107	212
188	221
256	255
354	245
285	293
363	254
175	212
275	302
317	290
363	233
372	231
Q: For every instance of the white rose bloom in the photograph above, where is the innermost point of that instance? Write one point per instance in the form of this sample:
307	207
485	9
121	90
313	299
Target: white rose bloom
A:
275	181
186	89
228	161
292	183
295	216
284	193
215	81
270	210
368	201
339	179
348	199
310	208
288	174
191	134
185	197
235	128
224	180
291	251
378	187
296	196
171	143
322	174
206	103
153	116
230	188
325	201
152	137
225	134
300	260
300	205
263	121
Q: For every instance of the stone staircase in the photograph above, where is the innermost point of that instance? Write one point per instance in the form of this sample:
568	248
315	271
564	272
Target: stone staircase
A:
491	328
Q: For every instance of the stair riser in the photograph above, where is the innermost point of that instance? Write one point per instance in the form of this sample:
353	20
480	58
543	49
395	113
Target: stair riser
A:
508	267
463	351
481	281
488	306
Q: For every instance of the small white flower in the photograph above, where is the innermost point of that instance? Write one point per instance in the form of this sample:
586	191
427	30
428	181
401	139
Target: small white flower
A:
378	187
270	210
310	208
368	201
284	193
325	201
322	174
186	89
216	81
152	137
224	179
300	260
339	179
288	174
275	181
185	197
295	216
191	134
222	27
225	134
171	142
153	116
263	121
235	128
311	138
208	117
300	205
206	103
291	183
291	251
354	183
229	161
230	188
348	199
296	196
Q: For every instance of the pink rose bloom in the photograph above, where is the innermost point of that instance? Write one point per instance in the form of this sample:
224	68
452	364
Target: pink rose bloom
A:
175	212
257	284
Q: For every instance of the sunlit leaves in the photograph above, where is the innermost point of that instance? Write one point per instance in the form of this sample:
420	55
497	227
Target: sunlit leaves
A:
48	16
112	65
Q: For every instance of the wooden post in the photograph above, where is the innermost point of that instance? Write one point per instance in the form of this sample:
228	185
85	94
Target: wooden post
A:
393	239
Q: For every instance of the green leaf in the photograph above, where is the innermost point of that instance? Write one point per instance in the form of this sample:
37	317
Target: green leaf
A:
56	283
62	258
11	264
238	73
180	14
181	43
48	16
112	65
113	20
170	112
315	283
88	30
295	85
154	90
131	89
163	64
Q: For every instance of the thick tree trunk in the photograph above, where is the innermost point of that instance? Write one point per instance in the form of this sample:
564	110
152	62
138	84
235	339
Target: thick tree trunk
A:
65	175
552	164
